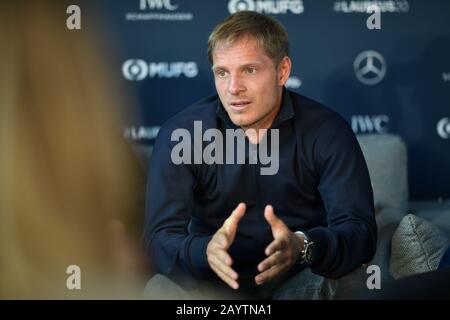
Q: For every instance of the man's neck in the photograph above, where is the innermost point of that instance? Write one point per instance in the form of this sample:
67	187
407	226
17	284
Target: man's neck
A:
256	132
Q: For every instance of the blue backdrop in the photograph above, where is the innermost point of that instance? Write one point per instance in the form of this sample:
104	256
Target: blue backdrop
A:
394	80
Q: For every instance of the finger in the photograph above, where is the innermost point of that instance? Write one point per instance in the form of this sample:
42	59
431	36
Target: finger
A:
224	257
270	274
233	220
232	283
224	268
271	261
221	255
271	218
275	245
221	240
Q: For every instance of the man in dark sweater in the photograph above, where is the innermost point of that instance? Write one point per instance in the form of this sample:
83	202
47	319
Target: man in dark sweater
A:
257	219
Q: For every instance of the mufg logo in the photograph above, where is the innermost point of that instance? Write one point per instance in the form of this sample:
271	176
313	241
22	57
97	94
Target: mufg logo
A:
443	128
267	6
138	69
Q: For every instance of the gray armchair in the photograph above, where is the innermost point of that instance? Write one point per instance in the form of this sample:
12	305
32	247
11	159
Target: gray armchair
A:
412	235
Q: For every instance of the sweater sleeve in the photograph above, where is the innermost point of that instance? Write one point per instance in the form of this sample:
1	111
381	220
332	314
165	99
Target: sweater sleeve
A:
351	235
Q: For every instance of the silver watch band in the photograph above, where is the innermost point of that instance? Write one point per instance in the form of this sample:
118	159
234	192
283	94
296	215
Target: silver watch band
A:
306	243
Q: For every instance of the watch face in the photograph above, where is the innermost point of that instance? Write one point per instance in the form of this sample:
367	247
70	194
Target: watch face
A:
309	253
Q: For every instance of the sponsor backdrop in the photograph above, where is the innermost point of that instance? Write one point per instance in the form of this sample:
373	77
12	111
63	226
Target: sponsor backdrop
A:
390	80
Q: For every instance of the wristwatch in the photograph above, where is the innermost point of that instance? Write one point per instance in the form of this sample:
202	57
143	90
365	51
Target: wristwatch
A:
307	254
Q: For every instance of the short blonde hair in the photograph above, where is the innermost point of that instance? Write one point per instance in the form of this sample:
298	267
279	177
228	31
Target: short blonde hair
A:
269	33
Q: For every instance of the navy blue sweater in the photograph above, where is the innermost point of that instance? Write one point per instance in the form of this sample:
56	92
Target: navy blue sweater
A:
322	187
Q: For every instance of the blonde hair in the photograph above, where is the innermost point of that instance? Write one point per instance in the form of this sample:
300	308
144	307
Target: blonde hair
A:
64	169
269	33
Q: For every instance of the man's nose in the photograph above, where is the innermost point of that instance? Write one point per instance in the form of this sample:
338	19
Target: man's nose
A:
236	85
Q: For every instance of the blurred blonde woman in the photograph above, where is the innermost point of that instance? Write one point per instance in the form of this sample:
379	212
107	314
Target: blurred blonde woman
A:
70	188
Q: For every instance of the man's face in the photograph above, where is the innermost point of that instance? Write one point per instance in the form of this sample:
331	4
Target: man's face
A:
248	82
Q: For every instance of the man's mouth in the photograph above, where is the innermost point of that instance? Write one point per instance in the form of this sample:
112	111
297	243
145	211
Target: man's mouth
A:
239	105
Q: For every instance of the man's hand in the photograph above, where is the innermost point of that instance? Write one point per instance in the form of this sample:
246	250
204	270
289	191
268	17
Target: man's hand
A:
218	258
282	252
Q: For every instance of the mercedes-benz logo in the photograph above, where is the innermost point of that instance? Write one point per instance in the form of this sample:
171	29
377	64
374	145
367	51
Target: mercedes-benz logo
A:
240	5
443	128
370	67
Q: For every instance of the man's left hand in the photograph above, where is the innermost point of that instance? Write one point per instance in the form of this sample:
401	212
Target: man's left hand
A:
282	252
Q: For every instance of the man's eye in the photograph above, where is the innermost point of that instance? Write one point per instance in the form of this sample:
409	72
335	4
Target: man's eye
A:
221	73
251	70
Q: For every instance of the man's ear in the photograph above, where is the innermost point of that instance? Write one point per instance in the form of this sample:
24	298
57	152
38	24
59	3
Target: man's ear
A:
284	70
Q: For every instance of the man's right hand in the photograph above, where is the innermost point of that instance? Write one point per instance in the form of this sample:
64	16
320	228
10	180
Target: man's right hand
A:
218	258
